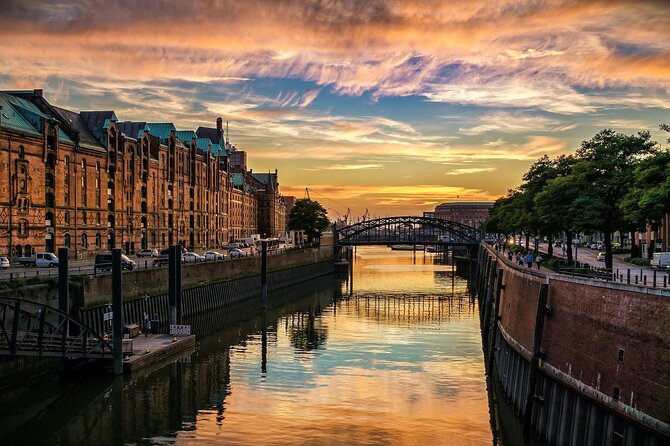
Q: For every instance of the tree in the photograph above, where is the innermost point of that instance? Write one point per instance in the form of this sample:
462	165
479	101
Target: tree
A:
648	201
603	173
308	216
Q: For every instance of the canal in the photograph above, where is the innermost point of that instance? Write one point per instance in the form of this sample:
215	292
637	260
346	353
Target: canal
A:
398	361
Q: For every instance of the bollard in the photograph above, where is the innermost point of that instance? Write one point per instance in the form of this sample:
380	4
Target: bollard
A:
635	279
665	281
628	275
264	274
117	311
654	285
644	279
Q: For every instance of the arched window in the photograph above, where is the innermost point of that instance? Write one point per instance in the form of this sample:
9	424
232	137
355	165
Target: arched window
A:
84	240
66	175
98	241
83	182
49	180
67	241
23	228
66	218
49	199
22	152
83	217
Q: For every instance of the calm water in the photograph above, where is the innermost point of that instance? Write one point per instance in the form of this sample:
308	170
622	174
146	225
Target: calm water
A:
399	361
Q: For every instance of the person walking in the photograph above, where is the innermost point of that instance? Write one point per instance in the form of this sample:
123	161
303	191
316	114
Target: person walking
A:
529	259
538	260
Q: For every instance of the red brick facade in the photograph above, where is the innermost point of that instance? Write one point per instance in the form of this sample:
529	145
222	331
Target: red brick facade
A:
89	182
467	213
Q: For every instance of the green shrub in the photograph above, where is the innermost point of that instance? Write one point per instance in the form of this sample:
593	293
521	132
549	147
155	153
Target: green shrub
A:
639	261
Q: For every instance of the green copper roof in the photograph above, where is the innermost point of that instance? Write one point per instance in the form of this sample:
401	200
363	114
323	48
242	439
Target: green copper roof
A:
237	178
10	118
203	143
161	129
22	115
185	135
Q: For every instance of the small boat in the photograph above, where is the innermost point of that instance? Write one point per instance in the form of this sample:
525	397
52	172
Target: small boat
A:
407	247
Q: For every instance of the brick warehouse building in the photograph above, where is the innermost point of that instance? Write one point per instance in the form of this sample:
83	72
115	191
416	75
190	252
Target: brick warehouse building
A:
469	213
90	182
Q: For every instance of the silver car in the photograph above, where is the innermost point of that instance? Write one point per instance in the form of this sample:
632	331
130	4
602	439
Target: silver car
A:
191	257
4	262
213	255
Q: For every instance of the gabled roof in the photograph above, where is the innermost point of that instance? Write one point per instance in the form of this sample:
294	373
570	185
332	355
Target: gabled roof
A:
132	129
21	114
161	129
76	123
211	133
98	120
185	135
10	118
269	179
203	143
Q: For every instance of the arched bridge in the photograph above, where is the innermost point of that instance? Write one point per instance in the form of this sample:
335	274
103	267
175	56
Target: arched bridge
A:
32	329
407	230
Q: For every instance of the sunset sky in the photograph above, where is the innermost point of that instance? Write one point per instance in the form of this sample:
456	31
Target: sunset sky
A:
394	106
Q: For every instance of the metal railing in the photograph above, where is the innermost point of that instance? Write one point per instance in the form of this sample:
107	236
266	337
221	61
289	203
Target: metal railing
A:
630	276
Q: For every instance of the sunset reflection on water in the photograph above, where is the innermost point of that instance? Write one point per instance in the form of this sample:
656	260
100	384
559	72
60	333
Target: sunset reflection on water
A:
398	362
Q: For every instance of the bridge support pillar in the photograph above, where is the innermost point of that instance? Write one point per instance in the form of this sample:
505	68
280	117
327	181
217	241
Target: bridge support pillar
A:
117	312
174	285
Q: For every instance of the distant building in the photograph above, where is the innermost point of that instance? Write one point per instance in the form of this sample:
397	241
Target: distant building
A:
471	213
289	202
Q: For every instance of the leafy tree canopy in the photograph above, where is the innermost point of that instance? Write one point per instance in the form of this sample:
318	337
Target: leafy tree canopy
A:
308	216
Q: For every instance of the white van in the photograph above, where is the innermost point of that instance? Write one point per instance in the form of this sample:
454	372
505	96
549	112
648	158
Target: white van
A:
660	260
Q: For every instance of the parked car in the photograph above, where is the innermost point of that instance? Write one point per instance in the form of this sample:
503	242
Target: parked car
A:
213	255
4	262
43	259
148	253
593	246
616	245
191	257
233	245
600	257
103	262
236	252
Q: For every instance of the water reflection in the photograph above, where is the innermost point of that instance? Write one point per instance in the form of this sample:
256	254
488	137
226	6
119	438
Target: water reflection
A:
398	361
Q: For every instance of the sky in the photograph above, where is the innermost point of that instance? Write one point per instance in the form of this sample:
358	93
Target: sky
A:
391	106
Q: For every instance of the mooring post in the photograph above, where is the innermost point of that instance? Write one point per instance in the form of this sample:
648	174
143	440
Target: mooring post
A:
487	301
264	274
494	323
264	341
63	289
177	286
453	269
535	360
117	312
172	292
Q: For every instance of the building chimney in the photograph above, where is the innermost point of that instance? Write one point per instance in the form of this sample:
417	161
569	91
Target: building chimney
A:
219	123
38	92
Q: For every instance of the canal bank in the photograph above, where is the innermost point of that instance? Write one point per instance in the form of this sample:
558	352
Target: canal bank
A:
582	362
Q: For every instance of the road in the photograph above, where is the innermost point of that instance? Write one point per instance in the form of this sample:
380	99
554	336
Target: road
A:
587	255
84	267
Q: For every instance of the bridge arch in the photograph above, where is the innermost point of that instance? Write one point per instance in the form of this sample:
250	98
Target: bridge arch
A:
408	230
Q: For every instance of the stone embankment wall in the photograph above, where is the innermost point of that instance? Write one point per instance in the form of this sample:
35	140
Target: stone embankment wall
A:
603	358
211	296
97	290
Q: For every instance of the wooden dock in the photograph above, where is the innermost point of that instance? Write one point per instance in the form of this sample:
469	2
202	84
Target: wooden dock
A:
154	348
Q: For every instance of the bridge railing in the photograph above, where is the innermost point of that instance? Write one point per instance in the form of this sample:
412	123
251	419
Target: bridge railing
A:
30	328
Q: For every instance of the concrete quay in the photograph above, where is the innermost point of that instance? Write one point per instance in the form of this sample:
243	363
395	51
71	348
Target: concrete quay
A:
154	348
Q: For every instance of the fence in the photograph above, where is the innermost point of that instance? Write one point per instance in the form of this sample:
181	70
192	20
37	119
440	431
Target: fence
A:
630	276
